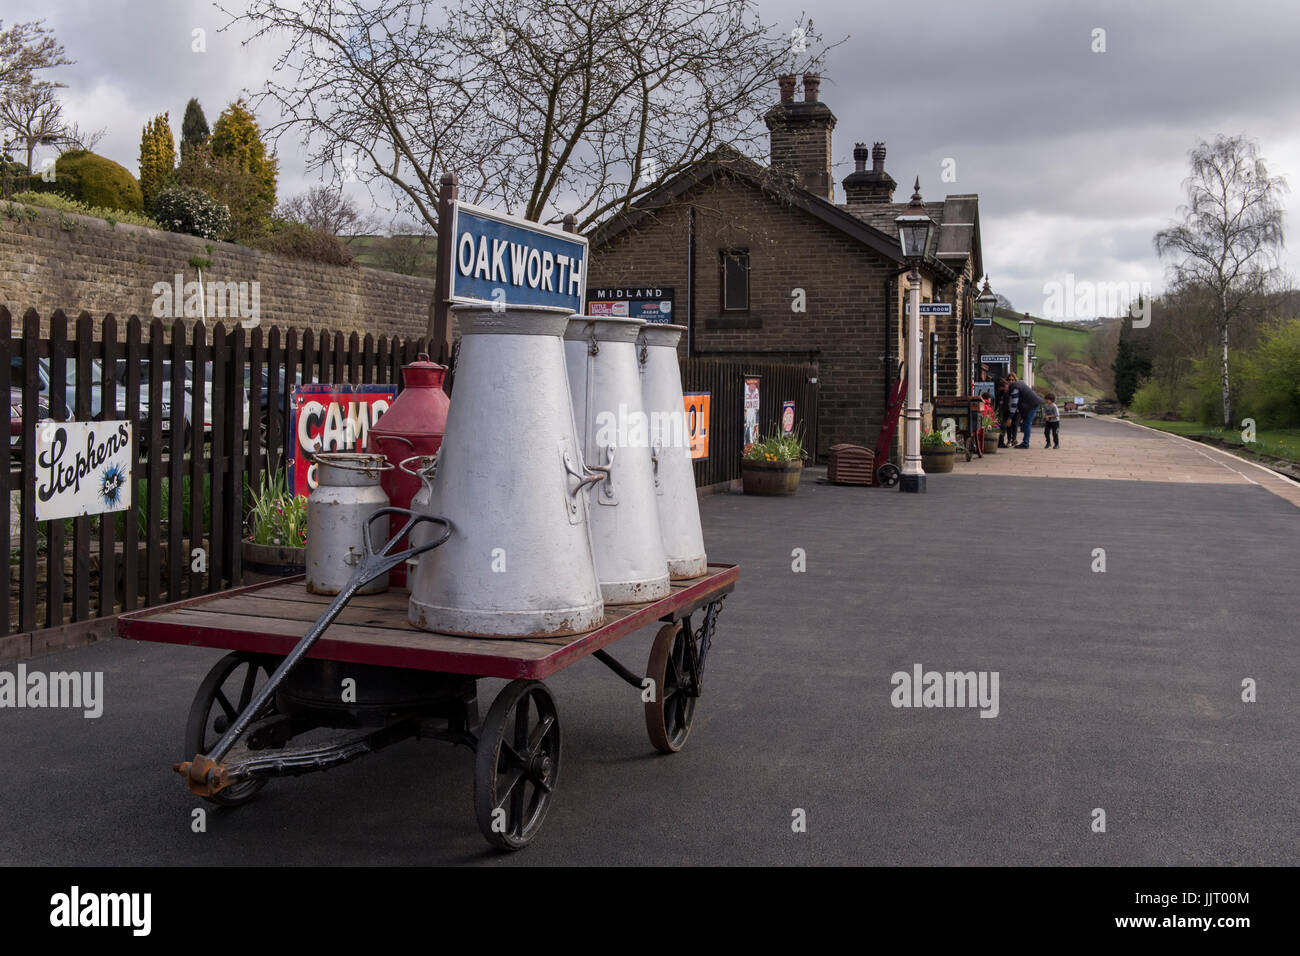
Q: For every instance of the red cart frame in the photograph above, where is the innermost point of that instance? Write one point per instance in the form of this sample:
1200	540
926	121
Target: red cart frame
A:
262	623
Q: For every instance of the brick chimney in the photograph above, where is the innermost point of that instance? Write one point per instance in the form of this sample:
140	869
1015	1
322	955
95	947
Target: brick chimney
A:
862	186
800	133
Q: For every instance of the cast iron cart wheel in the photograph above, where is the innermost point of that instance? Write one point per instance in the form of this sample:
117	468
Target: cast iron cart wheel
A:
668	717
887	475
222	697
518	764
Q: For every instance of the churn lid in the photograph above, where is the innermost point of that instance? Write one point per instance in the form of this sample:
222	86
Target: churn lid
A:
422	373
421	407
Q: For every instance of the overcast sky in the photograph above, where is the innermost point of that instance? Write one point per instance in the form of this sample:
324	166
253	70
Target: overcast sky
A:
1078	157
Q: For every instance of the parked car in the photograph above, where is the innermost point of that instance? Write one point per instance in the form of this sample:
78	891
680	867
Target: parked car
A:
16	418
187	411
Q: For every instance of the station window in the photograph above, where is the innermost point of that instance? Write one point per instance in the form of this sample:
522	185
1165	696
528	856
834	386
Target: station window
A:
734	264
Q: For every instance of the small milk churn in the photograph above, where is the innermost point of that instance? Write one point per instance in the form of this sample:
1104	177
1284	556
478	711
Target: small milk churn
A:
349	492
601	356
423	467
510	477
679	508
412	426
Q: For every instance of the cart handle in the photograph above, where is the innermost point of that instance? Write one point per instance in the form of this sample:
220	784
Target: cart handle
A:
205	774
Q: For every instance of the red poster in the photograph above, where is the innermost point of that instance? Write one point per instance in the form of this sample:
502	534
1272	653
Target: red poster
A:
332	418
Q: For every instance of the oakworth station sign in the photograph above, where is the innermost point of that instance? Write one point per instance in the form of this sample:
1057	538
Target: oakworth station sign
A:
503	259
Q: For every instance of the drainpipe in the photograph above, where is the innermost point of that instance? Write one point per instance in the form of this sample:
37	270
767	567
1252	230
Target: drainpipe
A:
690	282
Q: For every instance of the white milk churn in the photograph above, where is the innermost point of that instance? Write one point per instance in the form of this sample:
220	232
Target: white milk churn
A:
423	467
661	393
347	495
510	477
602	359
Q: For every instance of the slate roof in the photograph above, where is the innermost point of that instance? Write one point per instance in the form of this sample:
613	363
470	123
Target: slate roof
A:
957	217
727	161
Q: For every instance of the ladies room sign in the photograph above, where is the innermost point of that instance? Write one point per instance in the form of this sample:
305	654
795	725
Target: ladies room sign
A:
82	468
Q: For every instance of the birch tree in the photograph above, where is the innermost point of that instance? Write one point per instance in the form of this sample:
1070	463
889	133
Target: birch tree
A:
1231	232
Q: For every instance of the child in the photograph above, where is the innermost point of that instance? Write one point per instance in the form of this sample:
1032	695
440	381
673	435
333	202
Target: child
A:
1051	422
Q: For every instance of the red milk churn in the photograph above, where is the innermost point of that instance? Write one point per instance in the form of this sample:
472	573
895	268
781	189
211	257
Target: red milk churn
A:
412	426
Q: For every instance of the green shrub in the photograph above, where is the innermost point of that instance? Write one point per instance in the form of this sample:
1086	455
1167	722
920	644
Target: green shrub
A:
1204	401
1270	377
191	210
64	204
1154	399
95	181
288	238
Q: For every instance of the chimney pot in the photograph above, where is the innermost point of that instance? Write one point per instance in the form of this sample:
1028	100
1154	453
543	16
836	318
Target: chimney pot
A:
787	87
878	157
860	157
811	83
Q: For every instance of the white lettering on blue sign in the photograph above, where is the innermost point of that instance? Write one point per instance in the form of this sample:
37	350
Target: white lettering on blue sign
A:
533	265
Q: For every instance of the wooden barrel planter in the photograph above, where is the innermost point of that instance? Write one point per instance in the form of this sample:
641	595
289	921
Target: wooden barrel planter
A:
770	477
273	560
937	461
990	442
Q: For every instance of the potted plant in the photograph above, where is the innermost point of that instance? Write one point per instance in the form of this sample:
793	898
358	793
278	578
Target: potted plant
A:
991	433
937	455
772	465
276	538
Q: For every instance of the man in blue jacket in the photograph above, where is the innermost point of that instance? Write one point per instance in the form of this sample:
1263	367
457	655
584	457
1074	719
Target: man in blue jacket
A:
1027	406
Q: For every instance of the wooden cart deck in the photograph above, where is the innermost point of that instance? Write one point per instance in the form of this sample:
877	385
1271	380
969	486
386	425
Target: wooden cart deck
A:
270	618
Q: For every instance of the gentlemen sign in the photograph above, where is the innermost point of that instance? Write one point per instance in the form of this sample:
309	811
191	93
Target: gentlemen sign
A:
1000	359
82	468
502	259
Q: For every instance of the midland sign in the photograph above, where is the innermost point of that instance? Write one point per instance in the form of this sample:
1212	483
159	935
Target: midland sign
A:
499	258
651	303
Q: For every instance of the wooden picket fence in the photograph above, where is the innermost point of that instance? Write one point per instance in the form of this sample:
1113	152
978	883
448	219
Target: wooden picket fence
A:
193	497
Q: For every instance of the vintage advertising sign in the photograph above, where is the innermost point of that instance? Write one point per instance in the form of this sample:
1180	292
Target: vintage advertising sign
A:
650	303
332	418
503	259
697	423
82	468
751	410
787	418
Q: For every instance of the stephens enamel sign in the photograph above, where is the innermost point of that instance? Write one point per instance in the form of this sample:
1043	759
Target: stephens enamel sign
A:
82	468
502	259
